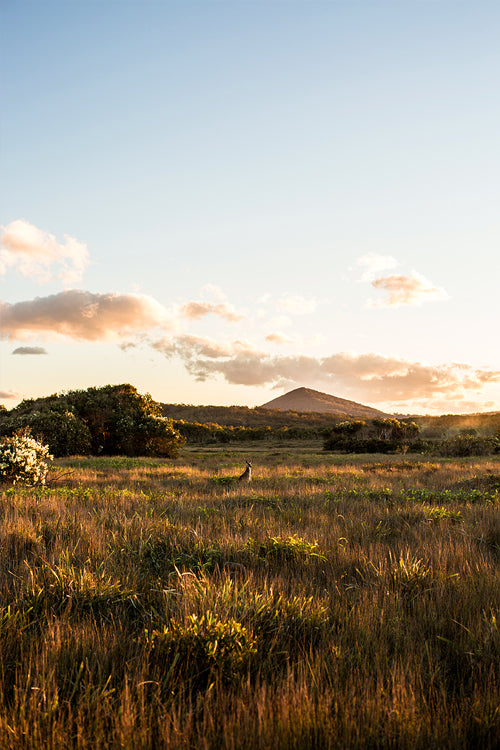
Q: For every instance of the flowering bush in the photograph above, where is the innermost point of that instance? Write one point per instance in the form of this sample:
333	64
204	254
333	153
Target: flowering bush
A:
23	459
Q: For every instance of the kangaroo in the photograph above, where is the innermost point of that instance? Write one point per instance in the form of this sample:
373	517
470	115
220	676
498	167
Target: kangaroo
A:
247	474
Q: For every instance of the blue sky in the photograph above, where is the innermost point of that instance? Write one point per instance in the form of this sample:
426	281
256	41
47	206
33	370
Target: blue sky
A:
220	201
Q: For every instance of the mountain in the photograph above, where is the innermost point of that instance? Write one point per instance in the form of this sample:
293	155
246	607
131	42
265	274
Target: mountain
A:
305	399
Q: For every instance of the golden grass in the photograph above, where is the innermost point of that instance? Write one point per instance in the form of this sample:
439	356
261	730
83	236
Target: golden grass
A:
333	602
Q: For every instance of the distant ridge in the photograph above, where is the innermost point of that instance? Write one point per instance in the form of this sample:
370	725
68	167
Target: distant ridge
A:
306	399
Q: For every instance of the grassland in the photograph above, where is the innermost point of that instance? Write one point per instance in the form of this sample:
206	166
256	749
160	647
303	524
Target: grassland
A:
334	602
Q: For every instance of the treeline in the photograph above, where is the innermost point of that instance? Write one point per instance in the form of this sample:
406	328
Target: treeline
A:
393	435
316	423
117	420
112	420
248	417
373	436
195	432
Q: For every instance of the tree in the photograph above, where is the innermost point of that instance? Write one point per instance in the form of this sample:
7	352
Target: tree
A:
54	424
110	420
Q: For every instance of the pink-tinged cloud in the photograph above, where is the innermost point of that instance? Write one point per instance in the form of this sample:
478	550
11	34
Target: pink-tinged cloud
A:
37	253
406	290
83	316
279	338
4	395
197	310
369	377
189	348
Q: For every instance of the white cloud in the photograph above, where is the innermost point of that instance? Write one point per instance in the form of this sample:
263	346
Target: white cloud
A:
374	263
279	321
35	252
295	304
215	292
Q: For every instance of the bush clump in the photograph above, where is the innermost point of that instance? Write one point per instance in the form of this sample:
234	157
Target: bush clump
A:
112	420
372	436
24	459
203	647
463	445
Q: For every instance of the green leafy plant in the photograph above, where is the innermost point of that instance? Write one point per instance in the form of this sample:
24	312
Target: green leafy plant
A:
202	646
440	514
409	574
285	548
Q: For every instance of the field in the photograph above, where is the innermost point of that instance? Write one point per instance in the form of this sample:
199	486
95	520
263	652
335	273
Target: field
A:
333	602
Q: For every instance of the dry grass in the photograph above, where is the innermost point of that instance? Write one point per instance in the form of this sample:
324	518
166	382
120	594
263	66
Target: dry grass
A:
333	602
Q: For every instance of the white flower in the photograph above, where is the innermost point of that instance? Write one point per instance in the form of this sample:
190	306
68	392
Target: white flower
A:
24	459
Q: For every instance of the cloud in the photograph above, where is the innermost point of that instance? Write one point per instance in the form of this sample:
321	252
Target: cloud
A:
295	304
369	377
30	350
83	315
279	338
34	252
8	394
406	290
412	289
197	310
214	291
189	348
280	321
374	263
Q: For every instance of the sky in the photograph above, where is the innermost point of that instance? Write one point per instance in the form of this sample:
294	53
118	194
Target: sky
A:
218	201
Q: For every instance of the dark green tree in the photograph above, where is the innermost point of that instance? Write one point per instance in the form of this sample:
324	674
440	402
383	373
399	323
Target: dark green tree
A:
111	420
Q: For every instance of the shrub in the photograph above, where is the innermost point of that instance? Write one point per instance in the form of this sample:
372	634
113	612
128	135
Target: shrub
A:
204	645
24	459
468	445
374	436
292	548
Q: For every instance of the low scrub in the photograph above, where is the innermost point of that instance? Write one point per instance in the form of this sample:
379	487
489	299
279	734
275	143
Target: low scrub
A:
201	650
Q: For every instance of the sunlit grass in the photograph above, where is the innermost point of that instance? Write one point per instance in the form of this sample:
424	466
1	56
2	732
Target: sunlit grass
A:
332	602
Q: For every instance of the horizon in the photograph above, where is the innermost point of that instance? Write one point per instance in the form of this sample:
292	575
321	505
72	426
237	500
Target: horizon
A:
288	393
221	201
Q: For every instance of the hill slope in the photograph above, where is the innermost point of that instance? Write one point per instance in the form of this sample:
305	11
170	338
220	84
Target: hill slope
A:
306	399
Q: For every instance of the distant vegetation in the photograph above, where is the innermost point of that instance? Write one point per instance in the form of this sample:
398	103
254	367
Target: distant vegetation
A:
117	420
449	435
373	436
245	416
394	435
